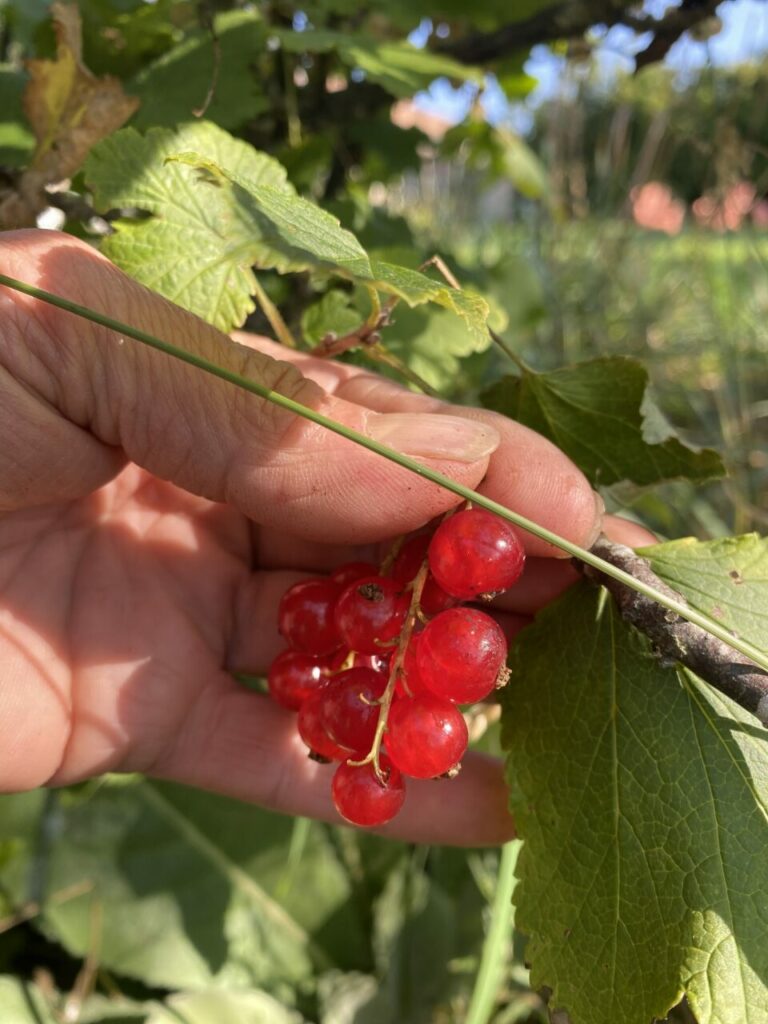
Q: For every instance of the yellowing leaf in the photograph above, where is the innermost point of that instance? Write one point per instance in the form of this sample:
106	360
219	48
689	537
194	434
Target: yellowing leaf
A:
69	110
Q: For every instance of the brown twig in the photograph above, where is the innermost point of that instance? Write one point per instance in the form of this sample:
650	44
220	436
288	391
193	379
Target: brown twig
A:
569	20
366	335
674	639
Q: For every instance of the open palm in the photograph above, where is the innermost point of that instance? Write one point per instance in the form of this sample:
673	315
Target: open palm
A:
133	581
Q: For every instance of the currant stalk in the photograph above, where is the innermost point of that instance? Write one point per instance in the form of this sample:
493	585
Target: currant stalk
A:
395	666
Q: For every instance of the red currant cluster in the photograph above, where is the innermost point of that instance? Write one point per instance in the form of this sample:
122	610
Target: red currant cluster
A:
379	660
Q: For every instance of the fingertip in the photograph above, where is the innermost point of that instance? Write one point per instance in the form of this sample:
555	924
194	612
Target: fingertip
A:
626	531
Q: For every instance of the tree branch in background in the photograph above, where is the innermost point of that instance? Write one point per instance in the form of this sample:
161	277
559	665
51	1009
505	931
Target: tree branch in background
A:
676	640
569	20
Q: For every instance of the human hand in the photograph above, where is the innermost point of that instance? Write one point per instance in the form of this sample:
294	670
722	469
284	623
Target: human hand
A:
134	579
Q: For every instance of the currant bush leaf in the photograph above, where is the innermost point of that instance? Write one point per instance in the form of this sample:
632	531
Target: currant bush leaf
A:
416	288
193	249
294	233
395	65
641	795
16	139
171	87
218	208
334	313
600	413
434	344
207	1006
192	888
727	579
23	1002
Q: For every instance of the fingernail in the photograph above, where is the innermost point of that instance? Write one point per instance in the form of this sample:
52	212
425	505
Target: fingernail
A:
600	512
434	437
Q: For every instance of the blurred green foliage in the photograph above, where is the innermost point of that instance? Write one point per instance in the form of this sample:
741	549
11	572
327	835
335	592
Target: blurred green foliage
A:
174	895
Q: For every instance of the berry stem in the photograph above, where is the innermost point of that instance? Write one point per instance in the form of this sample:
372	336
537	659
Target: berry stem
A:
394	671
760	657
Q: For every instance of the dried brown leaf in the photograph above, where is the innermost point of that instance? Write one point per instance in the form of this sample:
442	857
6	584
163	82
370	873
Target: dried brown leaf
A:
69	110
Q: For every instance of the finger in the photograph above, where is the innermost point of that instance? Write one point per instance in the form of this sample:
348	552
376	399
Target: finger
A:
243	745
201	432
528	474
625	531
545	579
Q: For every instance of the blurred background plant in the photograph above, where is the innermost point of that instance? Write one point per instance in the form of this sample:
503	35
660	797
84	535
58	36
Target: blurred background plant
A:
607	193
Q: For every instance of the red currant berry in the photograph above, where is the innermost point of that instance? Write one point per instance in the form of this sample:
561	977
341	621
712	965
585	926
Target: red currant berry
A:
293	677
312	730
351	708
409	682
351	571
378	662
460	654
370	612
407	564
362	798
475	552
426	736
305	616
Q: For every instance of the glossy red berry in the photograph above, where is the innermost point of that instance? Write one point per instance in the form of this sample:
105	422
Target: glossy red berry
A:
378	662
312	730
362	799
475	552
407	564
426	736
409	682
351	571
305	616
351	708
460	655
293	677
370	612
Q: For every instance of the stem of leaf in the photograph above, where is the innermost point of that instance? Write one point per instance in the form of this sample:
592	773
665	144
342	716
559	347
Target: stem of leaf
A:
426	472
508	351
382	355
496	946
272	313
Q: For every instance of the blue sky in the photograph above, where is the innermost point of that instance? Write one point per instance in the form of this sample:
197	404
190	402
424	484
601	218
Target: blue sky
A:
744	36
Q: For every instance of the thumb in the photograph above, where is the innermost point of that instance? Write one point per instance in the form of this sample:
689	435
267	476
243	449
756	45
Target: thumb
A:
77	400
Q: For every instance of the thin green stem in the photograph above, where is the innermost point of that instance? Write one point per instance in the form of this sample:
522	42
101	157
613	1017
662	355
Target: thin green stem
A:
426	472
273	314
380	354
495	953
508	351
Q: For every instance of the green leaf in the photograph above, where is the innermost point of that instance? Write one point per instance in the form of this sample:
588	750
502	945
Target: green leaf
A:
219	1007
727	579
192	888
16	138
334	313
641	795
600	414
219	207
522	166
397	66
416	288
293	233
433	343
22	1002
177	83
194	249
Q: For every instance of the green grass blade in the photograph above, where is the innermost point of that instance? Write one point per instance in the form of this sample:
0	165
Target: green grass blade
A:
690	614
493	961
